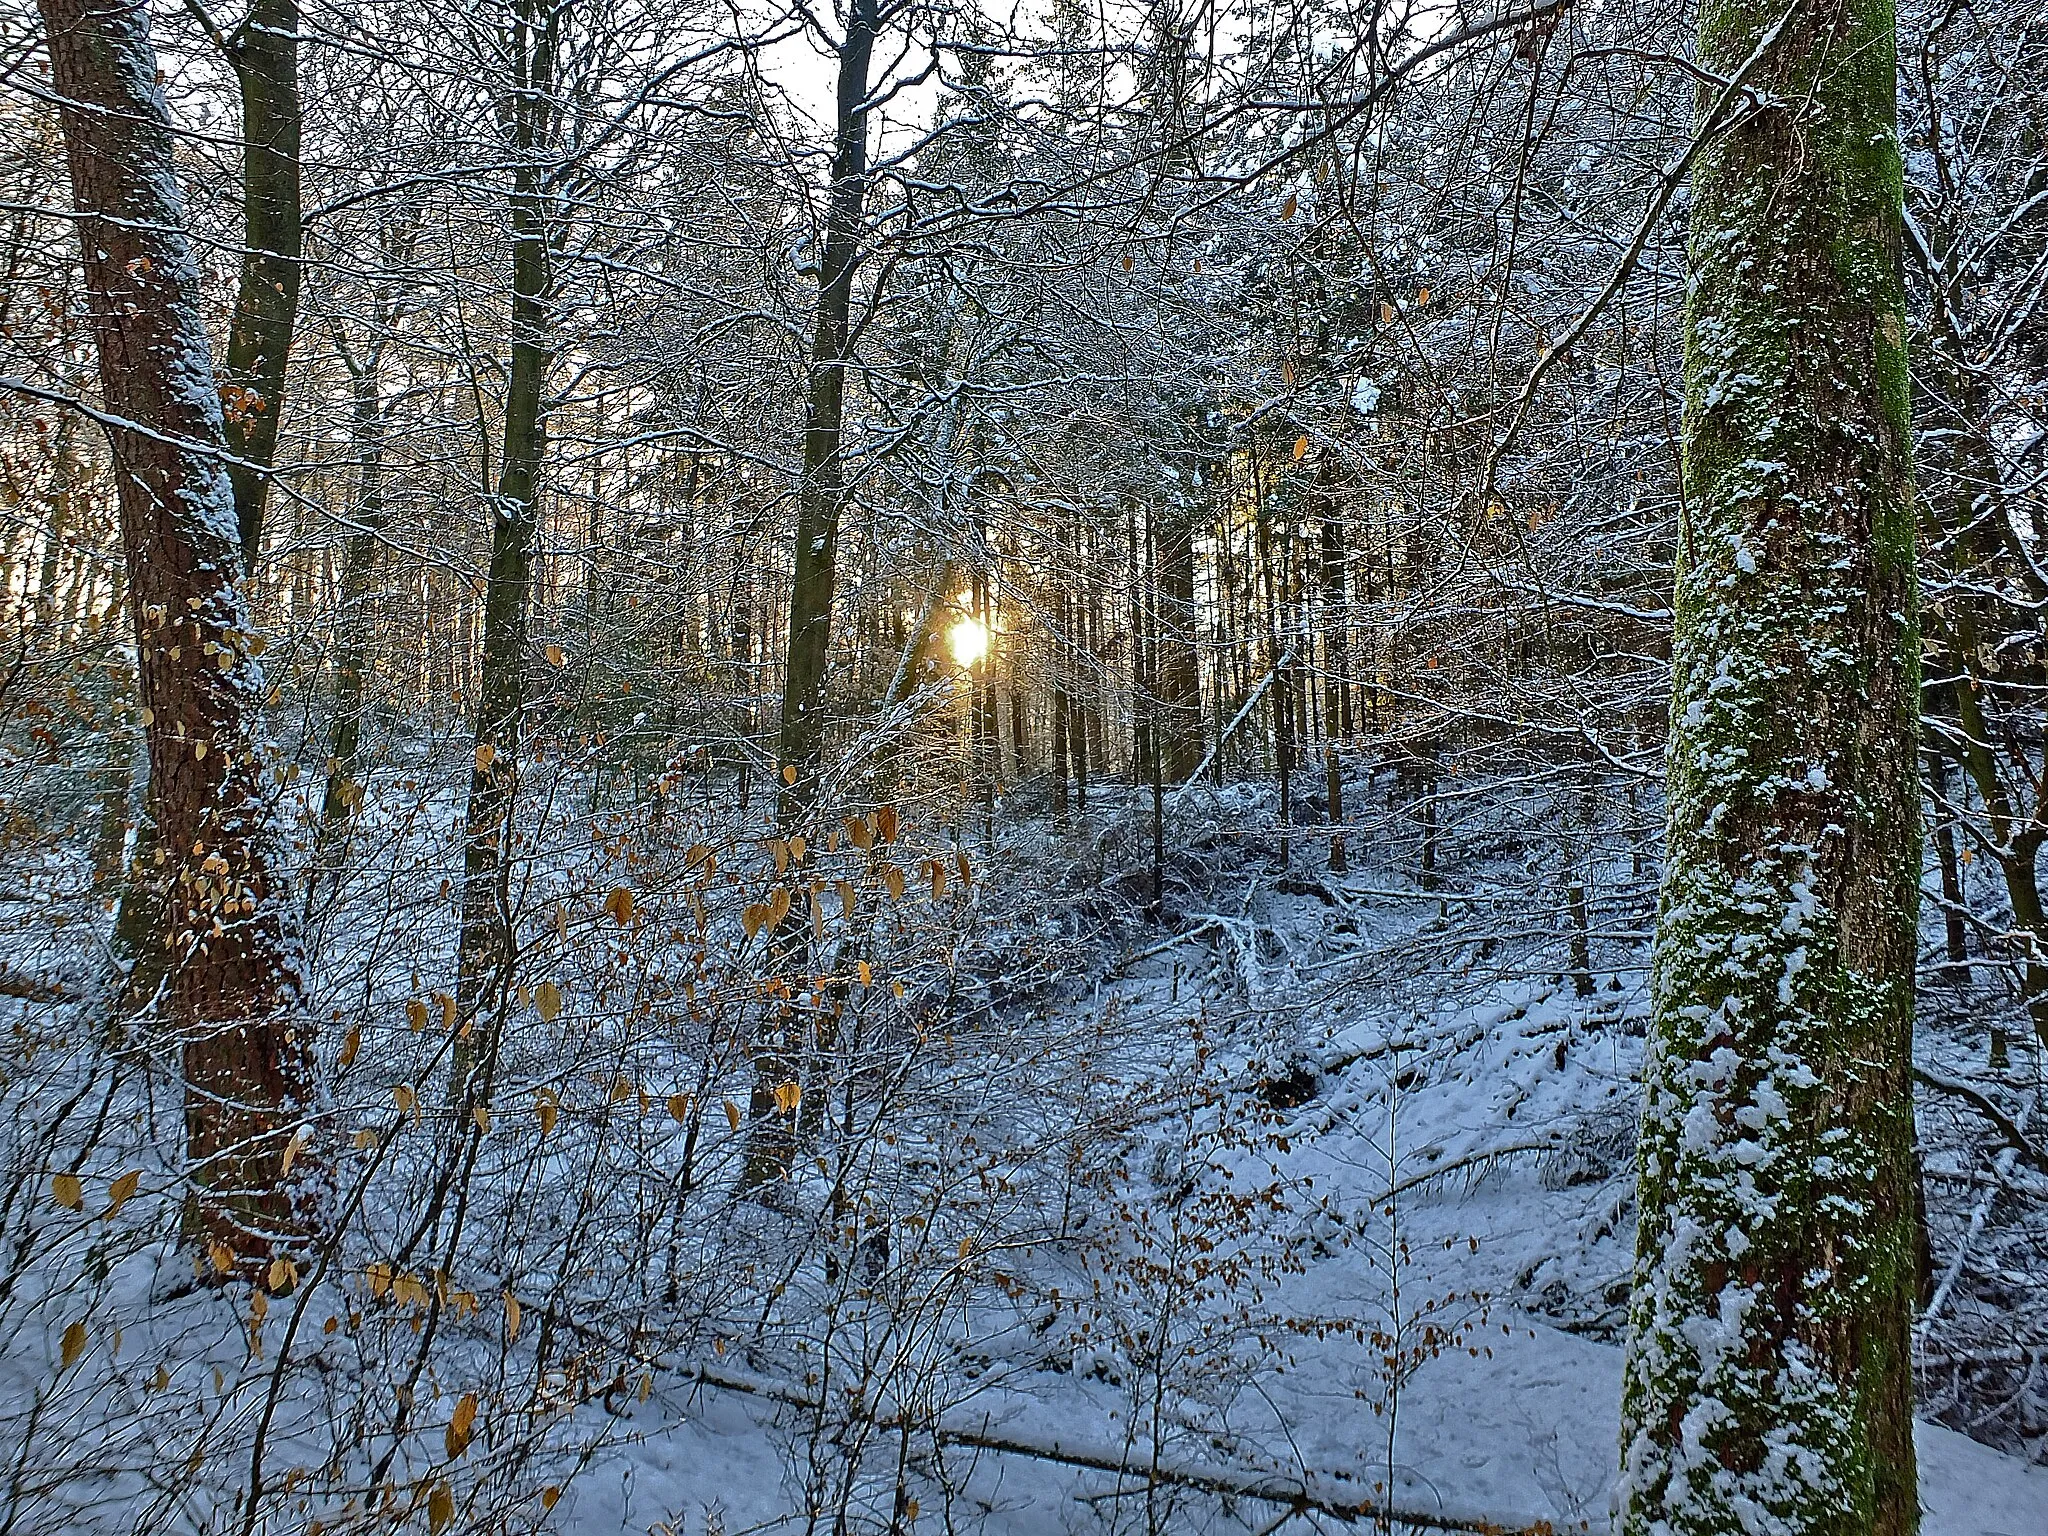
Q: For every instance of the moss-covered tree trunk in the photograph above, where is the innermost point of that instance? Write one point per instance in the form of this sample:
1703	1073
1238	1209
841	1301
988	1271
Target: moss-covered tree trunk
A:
1768	1382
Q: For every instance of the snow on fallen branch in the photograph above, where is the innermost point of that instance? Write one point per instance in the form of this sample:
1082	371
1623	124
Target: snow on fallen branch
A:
2014	1137
1303	1494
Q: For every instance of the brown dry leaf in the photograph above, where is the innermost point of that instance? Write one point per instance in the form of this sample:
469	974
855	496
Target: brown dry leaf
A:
1301	447
846	898
753	917
511	1317
789	773
486	754
788	1096
68	1192
866	974
73	1345
122	1190
555	656
885	823
461	1425
892	877
679	1107
406	1098
282	1275
797	848
440	1508
938	880
778	906
482	1117
292	1149
966	869
1287	208
732	1114
549	1495
546	1109
349	1047
547	1001
416	1014
859	833
620	905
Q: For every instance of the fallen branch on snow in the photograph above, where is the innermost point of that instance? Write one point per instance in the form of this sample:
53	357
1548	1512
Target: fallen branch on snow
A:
1301	1494
2014	1137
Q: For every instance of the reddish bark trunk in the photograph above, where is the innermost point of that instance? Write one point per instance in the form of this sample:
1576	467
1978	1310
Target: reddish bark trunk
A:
233	983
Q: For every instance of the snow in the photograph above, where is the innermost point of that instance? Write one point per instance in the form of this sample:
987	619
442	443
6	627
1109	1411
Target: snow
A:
1528	1434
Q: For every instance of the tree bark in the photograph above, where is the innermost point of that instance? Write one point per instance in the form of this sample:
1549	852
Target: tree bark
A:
484	951
265	56
233	988
343	794
821	495
1768	1378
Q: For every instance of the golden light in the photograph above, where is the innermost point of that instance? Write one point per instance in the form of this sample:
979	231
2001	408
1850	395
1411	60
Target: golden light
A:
969	639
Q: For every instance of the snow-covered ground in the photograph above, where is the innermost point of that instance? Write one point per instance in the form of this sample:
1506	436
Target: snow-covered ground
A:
1316	1197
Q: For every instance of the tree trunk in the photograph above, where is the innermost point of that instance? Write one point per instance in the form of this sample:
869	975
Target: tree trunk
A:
1768	1377
1180	680
821	495
234	984
265	55
485	949
344	792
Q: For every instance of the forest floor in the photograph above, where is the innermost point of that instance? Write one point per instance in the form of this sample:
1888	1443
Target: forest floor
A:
1401	1211
1312	1193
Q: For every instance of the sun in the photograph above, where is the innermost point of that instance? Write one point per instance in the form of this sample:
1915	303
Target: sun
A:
969	639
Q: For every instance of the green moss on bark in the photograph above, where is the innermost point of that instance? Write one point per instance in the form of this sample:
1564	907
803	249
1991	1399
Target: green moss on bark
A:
1768	1385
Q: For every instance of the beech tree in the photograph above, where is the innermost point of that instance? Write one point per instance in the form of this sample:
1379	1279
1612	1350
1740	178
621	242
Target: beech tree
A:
1769	1374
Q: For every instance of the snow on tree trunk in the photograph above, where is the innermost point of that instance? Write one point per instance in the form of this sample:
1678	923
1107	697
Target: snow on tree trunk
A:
234	977
1768	1384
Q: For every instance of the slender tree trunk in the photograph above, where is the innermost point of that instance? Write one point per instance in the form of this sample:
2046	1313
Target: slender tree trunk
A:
265	55
234	984
1768	1378
484	951
1955	938
1180	678
821	494
344	792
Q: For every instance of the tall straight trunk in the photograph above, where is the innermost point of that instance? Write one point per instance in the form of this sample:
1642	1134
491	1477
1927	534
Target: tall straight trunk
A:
265	56
1336	631
1178	665
344	792
1768	1378
484	950
234	984
821	494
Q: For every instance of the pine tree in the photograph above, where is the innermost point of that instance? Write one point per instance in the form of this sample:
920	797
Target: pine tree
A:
1768	1380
